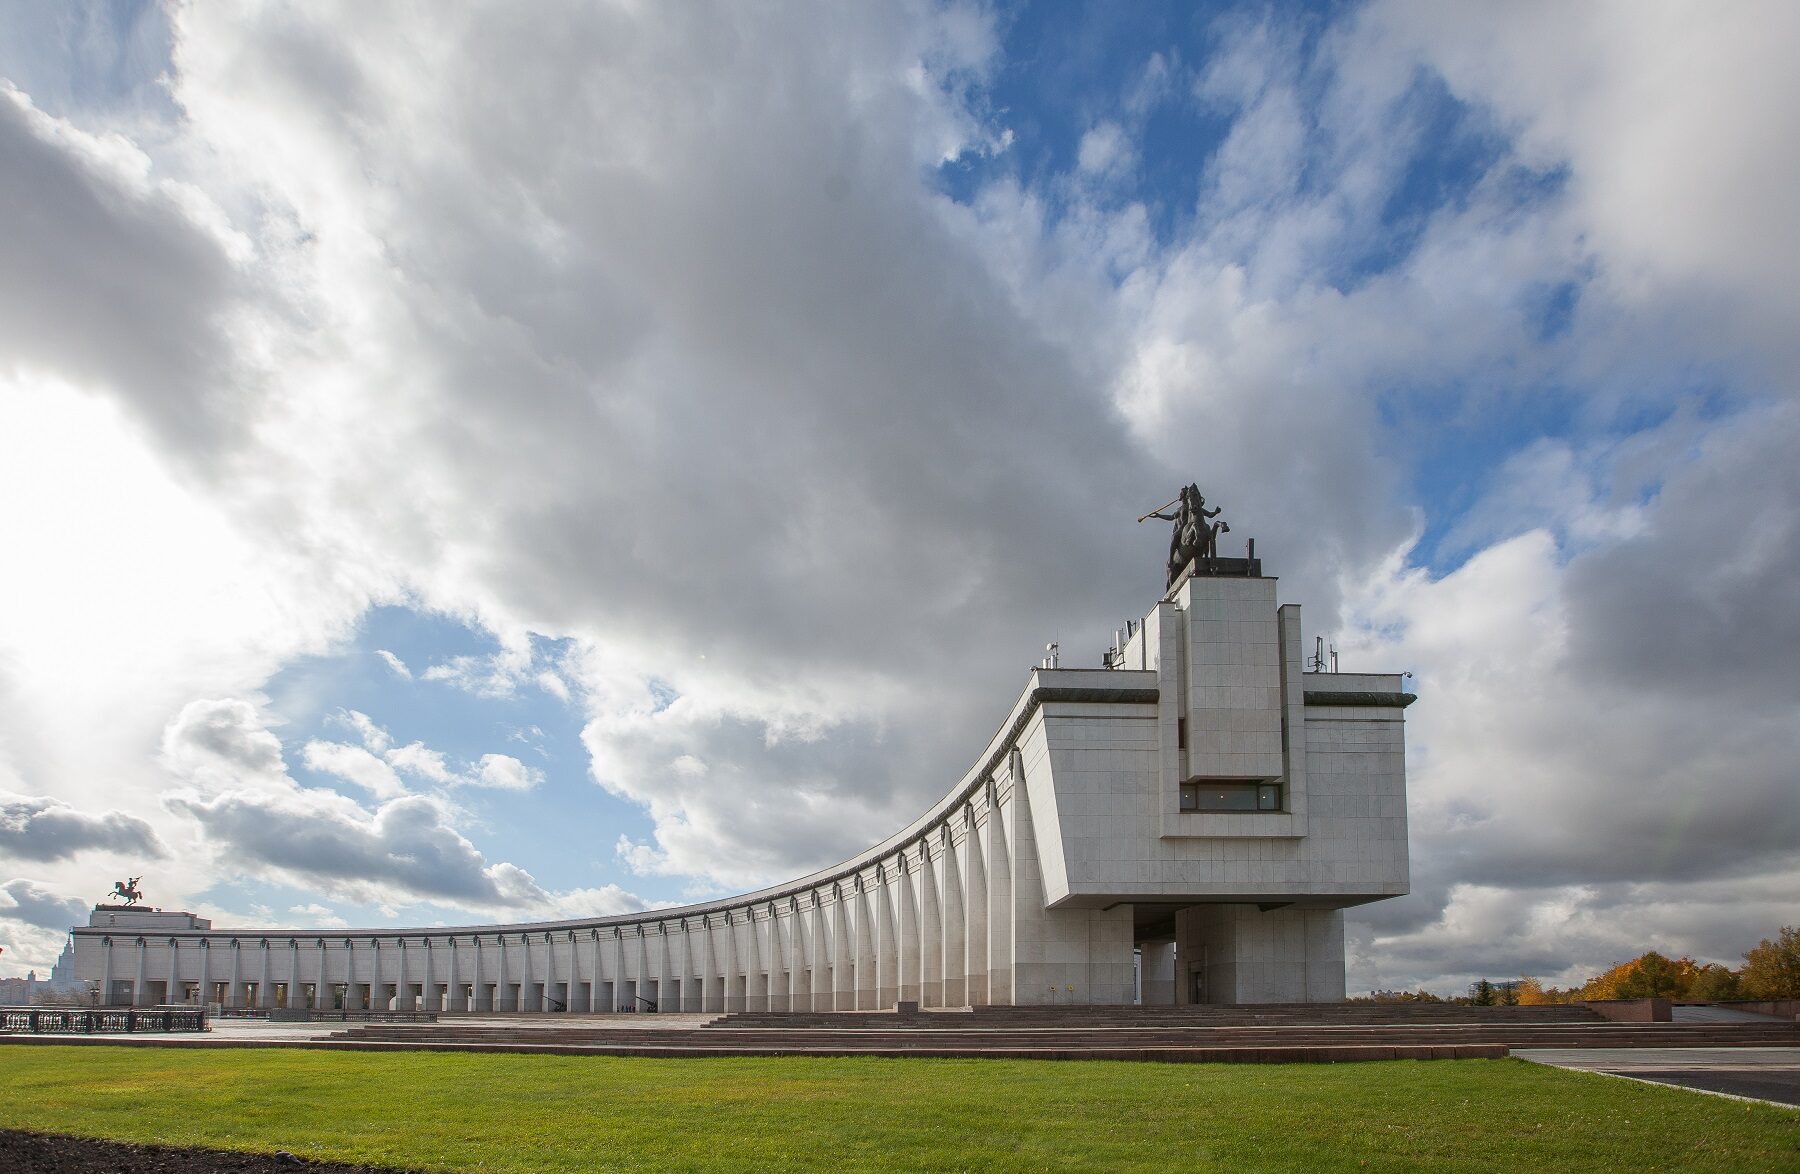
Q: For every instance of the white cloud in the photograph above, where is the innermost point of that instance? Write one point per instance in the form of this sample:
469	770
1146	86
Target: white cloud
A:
376	739
354	765
314	914
503	772
1104	148
421	761
394	663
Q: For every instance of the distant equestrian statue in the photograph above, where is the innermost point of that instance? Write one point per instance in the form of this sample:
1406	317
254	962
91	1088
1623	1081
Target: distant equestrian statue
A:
127	890
1196	536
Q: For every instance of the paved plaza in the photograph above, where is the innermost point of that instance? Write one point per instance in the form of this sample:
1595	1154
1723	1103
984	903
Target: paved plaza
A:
1765	1074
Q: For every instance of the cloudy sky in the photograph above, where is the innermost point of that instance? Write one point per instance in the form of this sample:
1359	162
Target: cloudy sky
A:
466	462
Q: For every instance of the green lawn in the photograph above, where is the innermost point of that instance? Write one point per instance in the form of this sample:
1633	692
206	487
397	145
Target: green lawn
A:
460	1111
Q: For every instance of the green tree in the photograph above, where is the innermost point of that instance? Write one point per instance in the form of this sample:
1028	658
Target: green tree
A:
1712	983
1481	994
1772	969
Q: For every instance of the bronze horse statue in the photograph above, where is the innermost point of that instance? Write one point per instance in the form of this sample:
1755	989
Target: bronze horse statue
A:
127	890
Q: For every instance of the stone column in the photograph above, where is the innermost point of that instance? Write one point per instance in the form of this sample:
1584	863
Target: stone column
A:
728	998
909	939
820	955
234	996
952	968
1156	974
843	968
593	999
684	951
887	945
708	963
172	989
106	972
798	998
478	996
504	999
453	996
205	972
773	960
664	970
142	981
755	991
618	969
526	971
863	965
999	876
641	982
931	932
975	915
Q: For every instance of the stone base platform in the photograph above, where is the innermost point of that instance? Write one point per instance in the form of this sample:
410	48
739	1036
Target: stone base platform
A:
1257	1034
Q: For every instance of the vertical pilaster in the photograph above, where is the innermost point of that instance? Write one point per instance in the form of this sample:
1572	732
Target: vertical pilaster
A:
843	967
975	901
777	999
712	986
954	988
686	952
867	991
729	1000
999	921
663	969
641	985
618	969
931	931
796	942
756	988
820	956
909	938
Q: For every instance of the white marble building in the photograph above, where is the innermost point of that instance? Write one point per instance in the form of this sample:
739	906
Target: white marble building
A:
1202	800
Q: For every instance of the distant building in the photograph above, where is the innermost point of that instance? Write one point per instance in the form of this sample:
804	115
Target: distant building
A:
1184	825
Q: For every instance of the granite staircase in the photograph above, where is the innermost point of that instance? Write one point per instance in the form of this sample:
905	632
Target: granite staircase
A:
1266	1033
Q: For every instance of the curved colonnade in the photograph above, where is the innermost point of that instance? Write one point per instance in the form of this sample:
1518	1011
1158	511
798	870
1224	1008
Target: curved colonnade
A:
1202	805
923	916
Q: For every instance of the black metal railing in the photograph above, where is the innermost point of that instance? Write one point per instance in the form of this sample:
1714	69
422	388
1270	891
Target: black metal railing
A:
99	1021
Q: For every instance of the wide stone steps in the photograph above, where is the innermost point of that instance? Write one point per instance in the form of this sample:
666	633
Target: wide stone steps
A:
1173	1017
1075	1040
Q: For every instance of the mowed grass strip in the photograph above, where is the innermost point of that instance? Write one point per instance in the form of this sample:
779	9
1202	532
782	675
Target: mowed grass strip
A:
461	1111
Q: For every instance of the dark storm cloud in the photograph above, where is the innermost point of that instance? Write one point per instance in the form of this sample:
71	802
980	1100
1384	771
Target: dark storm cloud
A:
34	904
1702	604
321	839
107	280
37	827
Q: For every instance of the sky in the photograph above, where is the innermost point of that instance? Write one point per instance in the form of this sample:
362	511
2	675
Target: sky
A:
480	462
